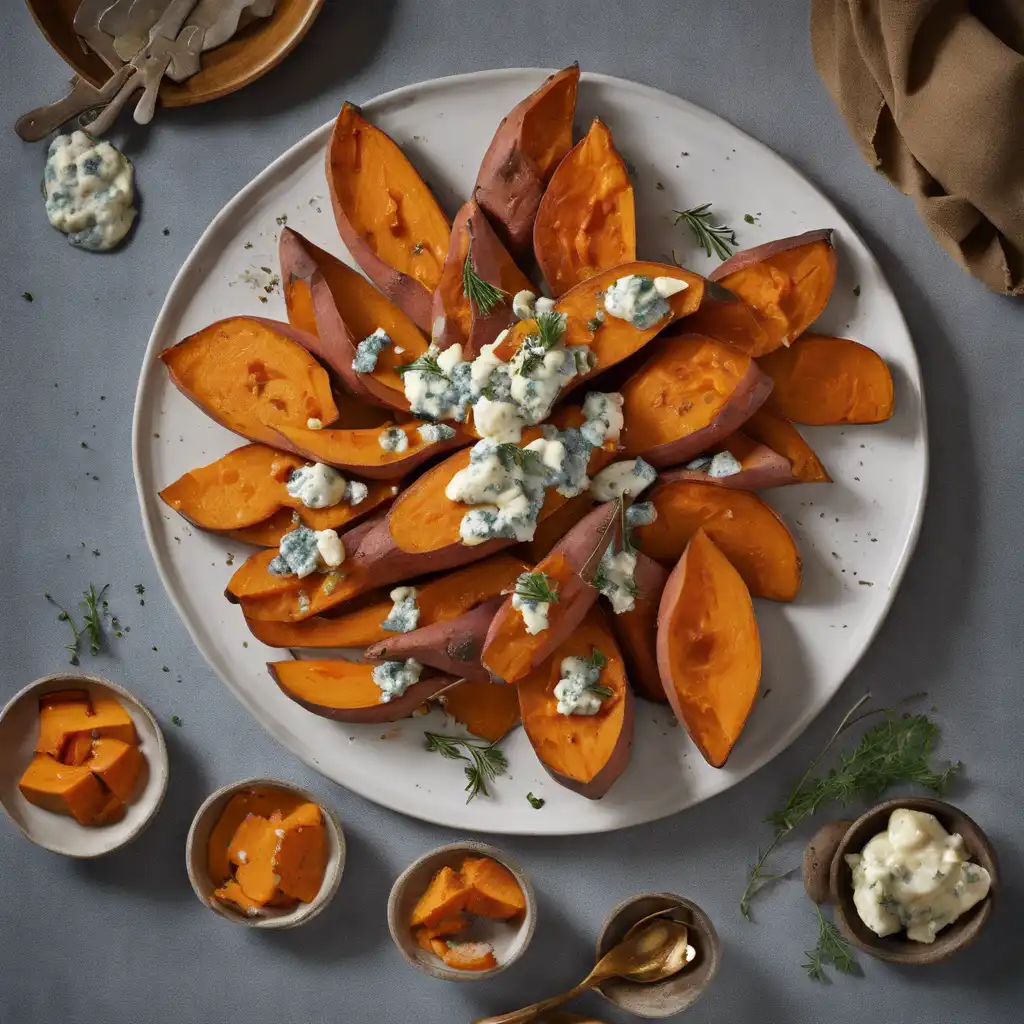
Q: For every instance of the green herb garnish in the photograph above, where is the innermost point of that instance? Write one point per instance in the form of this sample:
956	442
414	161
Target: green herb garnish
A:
28	296
64	616
711	237
832	950
93	607
418	248
426	363
175	720
526	459
594	323
536	802
482	294
486	760
550	328
749	218
139	589
536	586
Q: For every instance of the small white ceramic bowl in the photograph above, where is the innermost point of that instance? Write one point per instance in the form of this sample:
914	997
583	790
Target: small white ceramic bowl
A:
19	730
509	940
196	858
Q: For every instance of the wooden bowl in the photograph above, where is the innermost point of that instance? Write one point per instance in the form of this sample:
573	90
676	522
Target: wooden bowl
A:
259	47
682	990
196	858
19	728
827	876
509	940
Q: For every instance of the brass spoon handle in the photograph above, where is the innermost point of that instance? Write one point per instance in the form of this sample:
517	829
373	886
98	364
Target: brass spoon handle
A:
528	1013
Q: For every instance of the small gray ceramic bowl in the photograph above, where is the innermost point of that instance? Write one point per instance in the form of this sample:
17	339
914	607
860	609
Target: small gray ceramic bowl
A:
509	939
197	858
682	990
19	729
827	877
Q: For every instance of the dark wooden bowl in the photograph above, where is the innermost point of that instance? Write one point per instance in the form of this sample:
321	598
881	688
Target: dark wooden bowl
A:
252	53
827	877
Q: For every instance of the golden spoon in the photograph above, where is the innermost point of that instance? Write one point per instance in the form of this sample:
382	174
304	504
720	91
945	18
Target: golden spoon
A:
653	949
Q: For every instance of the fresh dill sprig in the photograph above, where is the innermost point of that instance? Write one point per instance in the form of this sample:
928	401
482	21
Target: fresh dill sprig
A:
486	760
831	950
536	802
426	363
597	658
536	586
711	237
527	460
76	636
550	329
93	609
482	294
896	750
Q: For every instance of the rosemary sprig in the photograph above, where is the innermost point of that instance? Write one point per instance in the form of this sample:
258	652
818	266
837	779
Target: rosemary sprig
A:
897	749
94	607
427	364
831	950
527	460
711	237
76	636
536	586
484	295
550	328
486	760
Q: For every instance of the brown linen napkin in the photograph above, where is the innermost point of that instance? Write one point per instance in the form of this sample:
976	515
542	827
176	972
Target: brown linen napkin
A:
933	94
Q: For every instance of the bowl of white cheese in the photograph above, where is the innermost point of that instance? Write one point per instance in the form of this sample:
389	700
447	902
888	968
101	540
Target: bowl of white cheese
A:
913	879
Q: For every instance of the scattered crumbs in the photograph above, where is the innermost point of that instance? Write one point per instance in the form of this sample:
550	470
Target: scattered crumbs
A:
154	647
28	296
245	643
874	540
164	668
167	231
856	289
266	270
857	478
248	245
175	720
631	168
282	220
230	560
766	692
96	552
685	153
536	802
263	299
84	445
865	583
103	398
748	218
658	185
97	479
157	436
139	588
834	555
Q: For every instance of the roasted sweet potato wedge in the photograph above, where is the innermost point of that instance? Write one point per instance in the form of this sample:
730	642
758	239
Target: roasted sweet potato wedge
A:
776	432
709	650
821	380
487	710
586	222
360	451
441	599
585	753
529	144
553	527
346	692
511	651
747	531
759	467
788	283
728	319
346	310
688	396
477	322
636	631
453	646
252	375
387	217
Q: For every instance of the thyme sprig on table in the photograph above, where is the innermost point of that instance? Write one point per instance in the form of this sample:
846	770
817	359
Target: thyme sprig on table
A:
831	950
896	750
94	609
486	761
482	294
717	238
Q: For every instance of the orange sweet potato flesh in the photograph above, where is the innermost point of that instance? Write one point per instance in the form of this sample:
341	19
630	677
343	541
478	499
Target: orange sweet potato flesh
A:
256	874
586	222
776	432
78	749
232	893
60	721
760	466
60	714
446	597
529	144
444	898
493	889
466	956
709	651
301	856
346	692
821	381
689	396
251	375
728	319
346	309
585	753
636	631
117	764
456	320
748	532
487	710
788	283
386	215
64	789
249	834
510	652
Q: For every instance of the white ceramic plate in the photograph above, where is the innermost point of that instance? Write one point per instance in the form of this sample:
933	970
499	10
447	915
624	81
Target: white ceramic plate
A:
855	536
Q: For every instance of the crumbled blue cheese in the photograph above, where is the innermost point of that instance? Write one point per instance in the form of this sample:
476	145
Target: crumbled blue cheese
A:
574	689
534	609
603	412
701	464
724	464
916	876
632	477
318	486
404	616
395	677
314	424
432	432
298	555
641	513
571	478
89	188
355	492
543	305
615	580
522	304
641	300
369	349
393	439
440	395
330	548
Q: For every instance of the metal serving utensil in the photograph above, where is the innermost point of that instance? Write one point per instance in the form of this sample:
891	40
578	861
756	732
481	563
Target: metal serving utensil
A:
133	32
86	24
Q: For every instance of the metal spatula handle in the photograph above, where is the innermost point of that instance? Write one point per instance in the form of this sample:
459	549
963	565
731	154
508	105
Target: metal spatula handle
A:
39	123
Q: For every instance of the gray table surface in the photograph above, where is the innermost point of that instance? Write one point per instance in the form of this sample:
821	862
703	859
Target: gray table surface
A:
123	939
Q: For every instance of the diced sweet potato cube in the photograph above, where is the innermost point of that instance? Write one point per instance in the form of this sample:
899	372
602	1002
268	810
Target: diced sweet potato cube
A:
59	721
305	814
445	896
258	876
112	810
116	763
493	889
63	789
55	711
468	956
232	893
301	855
78	749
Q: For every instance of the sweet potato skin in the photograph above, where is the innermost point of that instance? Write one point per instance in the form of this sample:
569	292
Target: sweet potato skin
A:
706	626
636	631
527	147
761	469
411	285
777	433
